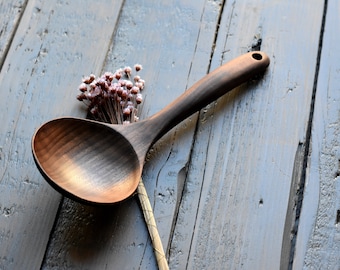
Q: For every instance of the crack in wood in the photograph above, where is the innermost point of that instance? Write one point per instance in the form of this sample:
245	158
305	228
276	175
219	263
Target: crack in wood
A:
337	222
290	228
216	33
301	186
21	11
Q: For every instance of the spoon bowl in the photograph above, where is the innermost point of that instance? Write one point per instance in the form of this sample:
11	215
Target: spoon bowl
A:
102	163
76	157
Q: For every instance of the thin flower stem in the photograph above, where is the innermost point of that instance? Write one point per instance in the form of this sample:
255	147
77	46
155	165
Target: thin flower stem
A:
152	226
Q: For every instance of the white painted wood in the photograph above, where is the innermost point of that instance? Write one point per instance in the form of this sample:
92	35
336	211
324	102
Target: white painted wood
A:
220	183
10	14
318	242
56	43
238	185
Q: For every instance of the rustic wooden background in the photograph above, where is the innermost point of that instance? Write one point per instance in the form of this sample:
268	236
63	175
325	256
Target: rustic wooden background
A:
251	182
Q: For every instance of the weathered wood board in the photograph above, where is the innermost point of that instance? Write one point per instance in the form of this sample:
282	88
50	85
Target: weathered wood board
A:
318	242
223	184
54	44
237	191
10	15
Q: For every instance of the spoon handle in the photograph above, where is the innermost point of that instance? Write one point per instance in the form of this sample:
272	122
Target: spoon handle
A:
208	89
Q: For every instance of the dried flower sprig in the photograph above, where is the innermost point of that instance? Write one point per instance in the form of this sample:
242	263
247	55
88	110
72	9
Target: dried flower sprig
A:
113	97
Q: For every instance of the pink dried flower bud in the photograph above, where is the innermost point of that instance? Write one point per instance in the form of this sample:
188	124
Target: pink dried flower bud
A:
90	96
136	78
118	75
87	80
128	70
109	76
107	85
128	84
124	94
134	90
139	98
126	111
138	67
139	85
83	87
129	104
122	82
92	77
102	82
97	91
81	97
112	89
93	84
119	91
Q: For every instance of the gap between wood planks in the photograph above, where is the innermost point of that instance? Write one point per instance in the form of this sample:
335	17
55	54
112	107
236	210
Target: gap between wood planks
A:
216	34
184	172
301	162
255	46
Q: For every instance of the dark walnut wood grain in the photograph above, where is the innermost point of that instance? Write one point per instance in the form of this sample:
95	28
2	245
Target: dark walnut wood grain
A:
101	163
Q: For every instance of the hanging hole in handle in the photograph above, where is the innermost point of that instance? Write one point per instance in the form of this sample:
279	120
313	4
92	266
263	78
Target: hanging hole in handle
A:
257	56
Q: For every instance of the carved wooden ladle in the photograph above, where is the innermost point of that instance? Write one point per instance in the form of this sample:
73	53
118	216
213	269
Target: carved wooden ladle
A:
102	163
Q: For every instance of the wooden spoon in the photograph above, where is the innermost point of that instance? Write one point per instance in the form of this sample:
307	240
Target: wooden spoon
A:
102	163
